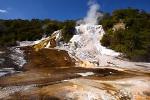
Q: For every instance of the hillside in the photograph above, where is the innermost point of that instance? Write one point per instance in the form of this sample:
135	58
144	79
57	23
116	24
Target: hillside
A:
128	31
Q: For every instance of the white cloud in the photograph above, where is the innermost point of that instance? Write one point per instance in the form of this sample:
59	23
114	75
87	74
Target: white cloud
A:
3	11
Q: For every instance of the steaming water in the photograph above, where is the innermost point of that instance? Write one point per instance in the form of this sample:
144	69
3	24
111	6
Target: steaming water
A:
87	48
86	45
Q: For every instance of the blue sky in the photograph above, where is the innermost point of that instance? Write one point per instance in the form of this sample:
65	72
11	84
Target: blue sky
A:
61	9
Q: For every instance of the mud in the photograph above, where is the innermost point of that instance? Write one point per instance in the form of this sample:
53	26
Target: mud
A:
51	74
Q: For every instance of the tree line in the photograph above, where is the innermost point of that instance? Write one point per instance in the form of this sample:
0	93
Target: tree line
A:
30	30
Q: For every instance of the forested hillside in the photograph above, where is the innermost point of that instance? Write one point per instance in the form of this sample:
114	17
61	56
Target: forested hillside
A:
128	31
21	30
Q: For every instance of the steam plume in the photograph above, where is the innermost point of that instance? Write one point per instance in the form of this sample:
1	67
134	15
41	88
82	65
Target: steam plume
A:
92	14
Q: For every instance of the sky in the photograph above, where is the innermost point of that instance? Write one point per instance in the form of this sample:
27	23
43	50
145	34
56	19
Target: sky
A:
62	9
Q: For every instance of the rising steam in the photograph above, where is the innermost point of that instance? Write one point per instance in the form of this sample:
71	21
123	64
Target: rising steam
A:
93	13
